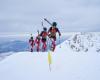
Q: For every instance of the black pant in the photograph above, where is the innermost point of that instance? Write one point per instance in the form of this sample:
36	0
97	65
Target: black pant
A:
53	37
44	40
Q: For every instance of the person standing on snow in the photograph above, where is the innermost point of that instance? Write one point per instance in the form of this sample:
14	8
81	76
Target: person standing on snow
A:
44	35
31	42
52	34
37	41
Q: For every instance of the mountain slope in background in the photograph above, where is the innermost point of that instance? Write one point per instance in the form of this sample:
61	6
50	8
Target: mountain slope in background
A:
20	43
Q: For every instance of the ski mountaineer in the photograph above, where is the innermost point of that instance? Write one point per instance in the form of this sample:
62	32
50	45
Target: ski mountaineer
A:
44	35
52	35
37	41
31	42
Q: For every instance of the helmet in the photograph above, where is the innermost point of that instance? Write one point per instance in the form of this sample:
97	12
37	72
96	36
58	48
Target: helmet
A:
44	28
54	24
31	38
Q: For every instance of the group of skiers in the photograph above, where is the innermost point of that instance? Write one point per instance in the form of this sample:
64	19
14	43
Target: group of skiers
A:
42	38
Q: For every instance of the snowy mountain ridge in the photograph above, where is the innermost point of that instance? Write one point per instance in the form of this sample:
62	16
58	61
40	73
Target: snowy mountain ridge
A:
84	41
66	64
77	42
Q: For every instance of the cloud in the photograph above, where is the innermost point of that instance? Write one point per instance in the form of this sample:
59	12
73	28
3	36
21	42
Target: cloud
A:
71	15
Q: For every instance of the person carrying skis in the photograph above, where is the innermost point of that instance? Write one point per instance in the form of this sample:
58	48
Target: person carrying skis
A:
31	42
37	41
44	35
52	34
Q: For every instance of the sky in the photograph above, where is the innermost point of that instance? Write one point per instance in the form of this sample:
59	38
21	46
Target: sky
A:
25	16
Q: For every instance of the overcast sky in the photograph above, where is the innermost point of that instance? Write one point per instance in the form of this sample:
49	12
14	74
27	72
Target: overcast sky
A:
71	15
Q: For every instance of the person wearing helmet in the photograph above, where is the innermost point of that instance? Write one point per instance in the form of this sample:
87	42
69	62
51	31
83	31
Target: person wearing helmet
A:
53	30
52	34
37	41
31	42
44	35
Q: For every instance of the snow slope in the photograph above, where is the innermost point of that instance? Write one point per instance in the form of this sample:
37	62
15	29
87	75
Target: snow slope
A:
66	65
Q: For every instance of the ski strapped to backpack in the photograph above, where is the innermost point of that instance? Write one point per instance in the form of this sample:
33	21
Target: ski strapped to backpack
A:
48	21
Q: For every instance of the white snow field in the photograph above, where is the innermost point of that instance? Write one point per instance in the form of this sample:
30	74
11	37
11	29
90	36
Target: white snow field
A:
66	65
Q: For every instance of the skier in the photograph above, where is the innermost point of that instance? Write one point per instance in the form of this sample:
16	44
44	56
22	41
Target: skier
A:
37	41
31	42
44	35
52	34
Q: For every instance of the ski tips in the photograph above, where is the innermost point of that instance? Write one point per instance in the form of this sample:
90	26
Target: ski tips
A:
38	31
45	18
31	34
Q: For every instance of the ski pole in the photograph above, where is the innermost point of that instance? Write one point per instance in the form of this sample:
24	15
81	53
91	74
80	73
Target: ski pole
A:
47	43
42	24
50	67
59	42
